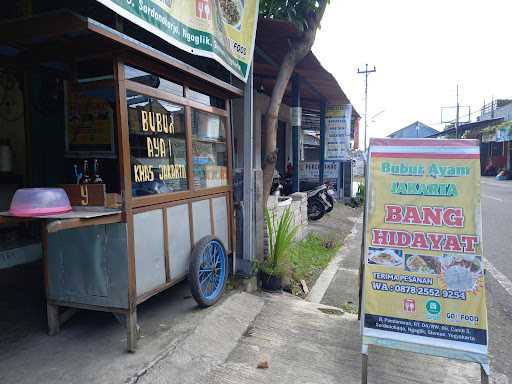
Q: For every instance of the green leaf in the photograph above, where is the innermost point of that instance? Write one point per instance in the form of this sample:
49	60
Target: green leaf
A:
294	11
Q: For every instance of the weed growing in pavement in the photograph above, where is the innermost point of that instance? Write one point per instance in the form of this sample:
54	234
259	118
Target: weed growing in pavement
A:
350	308
307	260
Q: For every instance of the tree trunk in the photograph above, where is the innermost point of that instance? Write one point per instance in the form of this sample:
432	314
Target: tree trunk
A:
271	116
299	48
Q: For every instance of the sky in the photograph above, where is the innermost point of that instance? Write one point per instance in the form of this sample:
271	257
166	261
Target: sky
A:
421	50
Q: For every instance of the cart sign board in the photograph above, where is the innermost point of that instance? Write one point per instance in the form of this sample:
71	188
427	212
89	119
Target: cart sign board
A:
424	285
337	127
223	30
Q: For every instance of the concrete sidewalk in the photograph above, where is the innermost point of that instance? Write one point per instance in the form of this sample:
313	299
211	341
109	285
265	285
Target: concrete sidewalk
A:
312	343
91	347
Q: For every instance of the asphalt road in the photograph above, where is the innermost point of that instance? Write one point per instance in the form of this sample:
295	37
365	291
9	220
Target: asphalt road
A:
497	223
497	246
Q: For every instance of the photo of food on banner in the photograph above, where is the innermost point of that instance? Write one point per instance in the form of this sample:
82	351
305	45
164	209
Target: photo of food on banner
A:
232	11
456	272
385	256
461	272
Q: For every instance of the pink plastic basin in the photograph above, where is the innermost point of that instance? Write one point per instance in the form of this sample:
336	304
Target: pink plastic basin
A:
28	202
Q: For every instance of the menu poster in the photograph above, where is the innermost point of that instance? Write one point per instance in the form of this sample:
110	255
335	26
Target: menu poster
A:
424	285
89	124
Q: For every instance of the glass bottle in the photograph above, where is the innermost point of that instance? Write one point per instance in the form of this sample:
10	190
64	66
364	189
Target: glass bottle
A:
97	177
86	179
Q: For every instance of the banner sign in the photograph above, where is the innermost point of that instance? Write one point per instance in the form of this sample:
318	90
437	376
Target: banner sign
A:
296	116
504	134
310	170
337	132
424	285
356	133
223	30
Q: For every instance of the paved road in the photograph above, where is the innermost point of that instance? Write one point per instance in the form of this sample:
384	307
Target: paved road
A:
497	223
497	238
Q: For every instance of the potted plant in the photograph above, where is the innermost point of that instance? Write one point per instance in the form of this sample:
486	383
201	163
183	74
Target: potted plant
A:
280	238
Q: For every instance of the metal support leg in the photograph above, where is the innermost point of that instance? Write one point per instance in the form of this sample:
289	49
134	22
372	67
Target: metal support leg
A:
364	367
364	373
484	377
52	312
131	330
245	267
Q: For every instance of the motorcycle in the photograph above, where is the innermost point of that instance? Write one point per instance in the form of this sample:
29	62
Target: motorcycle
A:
320	201
330	198
277	188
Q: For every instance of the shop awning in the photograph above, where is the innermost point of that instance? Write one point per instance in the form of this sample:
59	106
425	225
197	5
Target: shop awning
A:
272	42
466	127
64	34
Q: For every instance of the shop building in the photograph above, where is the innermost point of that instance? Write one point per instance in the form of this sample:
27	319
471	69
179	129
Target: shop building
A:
138	132
172	142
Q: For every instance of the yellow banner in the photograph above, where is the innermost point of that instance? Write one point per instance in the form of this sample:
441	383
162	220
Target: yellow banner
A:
424	282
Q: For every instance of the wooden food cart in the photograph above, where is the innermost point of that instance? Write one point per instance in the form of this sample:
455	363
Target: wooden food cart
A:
161	129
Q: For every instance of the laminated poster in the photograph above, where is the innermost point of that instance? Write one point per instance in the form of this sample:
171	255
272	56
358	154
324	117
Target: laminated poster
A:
424	285
338	119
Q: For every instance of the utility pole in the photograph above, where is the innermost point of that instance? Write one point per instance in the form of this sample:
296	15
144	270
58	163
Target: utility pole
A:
366	72
457	117
457	121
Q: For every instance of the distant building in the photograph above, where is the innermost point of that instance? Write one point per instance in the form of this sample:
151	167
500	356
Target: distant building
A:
498	108
417	129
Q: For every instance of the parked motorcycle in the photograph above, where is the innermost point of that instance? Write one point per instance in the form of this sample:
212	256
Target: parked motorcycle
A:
329	197
277	188
320	201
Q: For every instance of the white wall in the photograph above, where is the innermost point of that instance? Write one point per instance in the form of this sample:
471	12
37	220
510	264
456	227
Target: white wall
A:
261	101
260	106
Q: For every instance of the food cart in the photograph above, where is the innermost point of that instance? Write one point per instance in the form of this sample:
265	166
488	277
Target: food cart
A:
162	209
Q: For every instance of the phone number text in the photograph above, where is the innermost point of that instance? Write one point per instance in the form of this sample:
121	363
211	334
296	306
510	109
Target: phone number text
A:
420	291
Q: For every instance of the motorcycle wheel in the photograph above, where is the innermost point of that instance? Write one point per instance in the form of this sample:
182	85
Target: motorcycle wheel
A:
316	209
331	202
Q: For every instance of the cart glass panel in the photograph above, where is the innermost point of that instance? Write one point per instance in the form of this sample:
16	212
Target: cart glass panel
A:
209	150
157	145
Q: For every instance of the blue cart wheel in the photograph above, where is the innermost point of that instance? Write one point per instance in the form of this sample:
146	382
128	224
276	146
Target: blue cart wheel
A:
208	271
